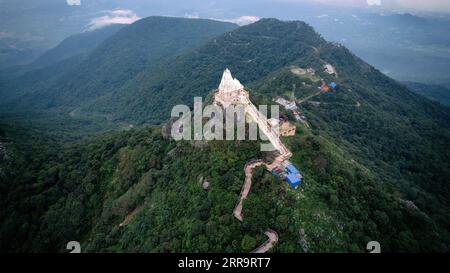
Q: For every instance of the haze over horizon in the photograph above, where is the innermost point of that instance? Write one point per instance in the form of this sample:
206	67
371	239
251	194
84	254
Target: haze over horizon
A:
360	25
393	5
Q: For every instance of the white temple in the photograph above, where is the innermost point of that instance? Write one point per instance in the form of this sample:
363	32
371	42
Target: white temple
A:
231	91
228	83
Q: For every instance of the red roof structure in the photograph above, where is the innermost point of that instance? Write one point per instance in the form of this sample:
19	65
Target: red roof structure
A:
325	88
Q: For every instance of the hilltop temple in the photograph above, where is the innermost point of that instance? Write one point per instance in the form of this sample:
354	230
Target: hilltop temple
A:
231	91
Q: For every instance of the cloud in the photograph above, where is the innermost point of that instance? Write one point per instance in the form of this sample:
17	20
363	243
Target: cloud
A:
118	16
322	16
405	5
73	2
374	2
192	15
25	36
243	20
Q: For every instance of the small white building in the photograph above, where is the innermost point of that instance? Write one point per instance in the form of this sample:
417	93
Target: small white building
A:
290	105
329	69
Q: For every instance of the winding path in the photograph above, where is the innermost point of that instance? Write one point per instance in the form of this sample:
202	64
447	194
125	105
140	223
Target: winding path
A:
248	169
308	97
232	92
246	187
273	239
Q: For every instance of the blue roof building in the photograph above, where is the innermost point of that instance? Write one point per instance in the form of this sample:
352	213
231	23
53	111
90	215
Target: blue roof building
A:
293	177
332	85
290	174
294	180
291	169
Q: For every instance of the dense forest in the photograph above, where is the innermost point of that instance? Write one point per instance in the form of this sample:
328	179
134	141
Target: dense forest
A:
85	77
84	191
95	166
434	92
402	137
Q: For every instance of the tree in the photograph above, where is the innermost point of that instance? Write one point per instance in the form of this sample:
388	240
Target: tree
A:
248	243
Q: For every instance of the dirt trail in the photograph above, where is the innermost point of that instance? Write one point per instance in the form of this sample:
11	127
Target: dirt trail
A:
309	97
248	169
131	216
275	140
273	236
273	239
246	187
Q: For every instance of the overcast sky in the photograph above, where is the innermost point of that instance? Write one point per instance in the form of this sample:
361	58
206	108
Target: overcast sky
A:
244	11
420	5
396	5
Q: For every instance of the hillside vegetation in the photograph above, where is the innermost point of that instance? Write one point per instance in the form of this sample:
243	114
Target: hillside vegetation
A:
375	161
75	45
115	61
434	92
85	190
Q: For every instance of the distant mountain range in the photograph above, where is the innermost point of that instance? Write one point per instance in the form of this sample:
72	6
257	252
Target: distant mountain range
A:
75	45
403	46
407	47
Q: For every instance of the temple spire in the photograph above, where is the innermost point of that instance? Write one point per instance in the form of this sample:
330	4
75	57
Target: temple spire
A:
228	83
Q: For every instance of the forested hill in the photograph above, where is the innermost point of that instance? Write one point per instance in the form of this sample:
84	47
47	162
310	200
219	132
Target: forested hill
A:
75	45
375	160
134	191
432	91
251	52
116	60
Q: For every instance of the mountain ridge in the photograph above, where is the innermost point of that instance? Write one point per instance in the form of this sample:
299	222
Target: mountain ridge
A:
375	160
117	59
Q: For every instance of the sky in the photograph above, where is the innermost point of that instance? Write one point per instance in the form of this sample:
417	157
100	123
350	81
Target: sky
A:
71	16
73	2
241	12
248	11
419	5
